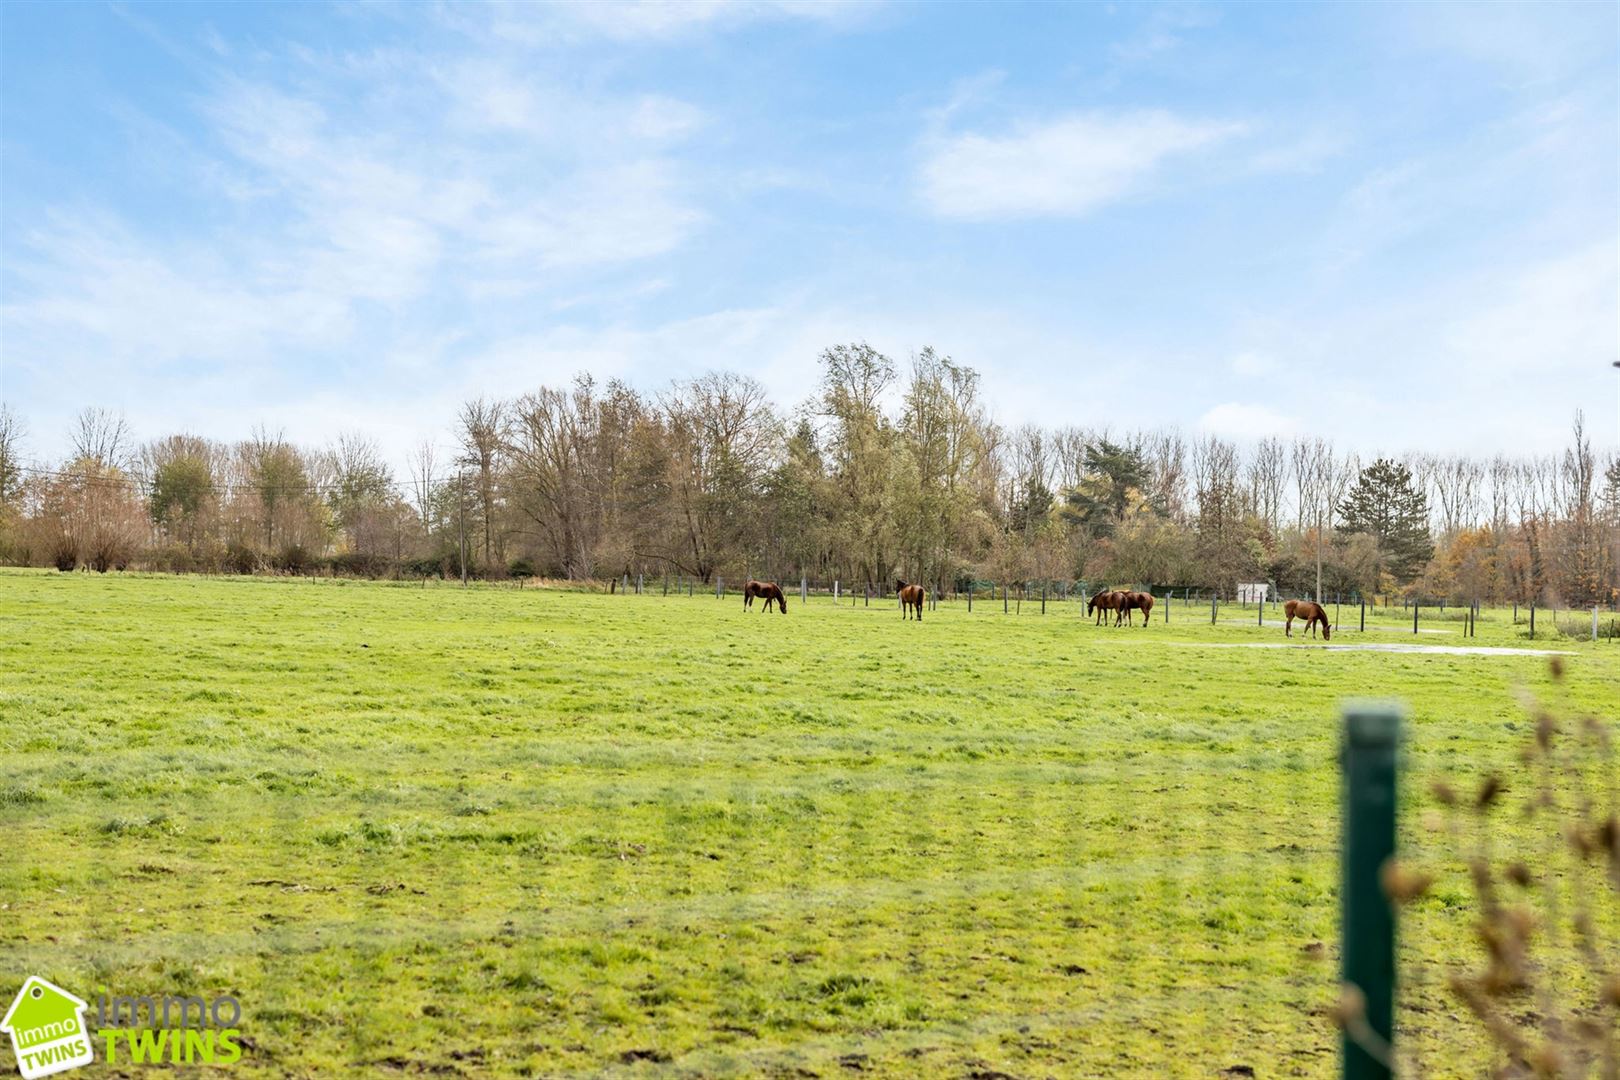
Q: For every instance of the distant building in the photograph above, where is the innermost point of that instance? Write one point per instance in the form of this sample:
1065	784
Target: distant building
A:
1253	592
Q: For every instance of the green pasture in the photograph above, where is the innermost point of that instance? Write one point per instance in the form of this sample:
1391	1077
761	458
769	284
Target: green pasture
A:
502	832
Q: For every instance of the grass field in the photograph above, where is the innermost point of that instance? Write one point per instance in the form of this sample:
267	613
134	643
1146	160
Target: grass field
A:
502	832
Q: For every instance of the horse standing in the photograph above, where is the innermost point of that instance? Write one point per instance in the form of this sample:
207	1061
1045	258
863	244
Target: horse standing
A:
1137	601
769	590
911	599
1312	613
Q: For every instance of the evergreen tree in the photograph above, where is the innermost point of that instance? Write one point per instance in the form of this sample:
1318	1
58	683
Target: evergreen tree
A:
1115	477
1386	505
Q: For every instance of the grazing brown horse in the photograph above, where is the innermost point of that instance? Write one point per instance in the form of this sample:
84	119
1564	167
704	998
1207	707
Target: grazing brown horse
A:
1311	612
911	599
1104	602
770	590
1137	601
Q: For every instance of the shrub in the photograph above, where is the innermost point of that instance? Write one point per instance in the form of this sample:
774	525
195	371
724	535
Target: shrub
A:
430	566
360	564
521	568
240	559
173	559
294	559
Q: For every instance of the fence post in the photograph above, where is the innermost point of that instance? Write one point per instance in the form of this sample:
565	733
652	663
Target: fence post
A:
719	587
1261	608
1532	620
1004	598
1043	610
1363	615
970	598
835	590
1594	622
1372	732
1213	602
639	581
804	589
1414	616
1169	598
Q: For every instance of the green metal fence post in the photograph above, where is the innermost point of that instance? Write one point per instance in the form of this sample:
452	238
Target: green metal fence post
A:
1371	736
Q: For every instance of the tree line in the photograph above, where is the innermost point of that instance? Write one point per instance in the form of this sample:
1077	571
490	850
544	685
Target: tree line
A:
886	471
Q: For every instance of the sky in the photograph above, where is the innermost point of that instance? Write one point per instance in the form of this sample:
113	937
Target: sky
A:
1394	226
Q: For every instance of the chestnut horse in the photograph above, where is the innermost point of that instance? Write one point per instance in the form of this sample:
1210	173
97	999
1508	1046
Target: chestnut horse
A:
911	599
1137	601
1104	602
770	590
1311	612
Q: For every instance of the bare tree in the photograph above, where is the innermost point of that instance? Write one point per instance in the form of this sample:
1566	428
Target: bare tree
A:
551	448
421	465
12	432
101	436
1455	487
1267	472
484	430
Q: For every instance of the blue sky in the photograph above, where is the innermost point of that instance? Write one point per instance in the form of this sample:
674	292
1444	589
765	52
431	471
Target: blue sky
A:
1392	225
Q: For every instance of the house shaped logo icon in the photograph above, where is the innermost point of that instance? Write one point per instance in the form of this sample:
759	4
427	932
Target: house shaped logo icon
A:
46	1025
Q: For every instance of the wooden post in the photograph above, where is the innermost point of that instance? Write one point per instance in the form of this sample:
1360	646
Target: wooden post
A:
1169	598
1532	620
1372	734
719	587
1364	615
1214	605
1414	616
804	589
1043	609
1260	608
639	582
970	598
1594	623
835	590
1004	598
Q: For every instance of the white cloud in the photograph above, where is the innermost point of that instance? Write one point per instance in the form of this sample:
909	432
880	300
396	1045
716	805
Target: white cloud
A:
1251	364
641	20
1063	168
1247	421
1163	30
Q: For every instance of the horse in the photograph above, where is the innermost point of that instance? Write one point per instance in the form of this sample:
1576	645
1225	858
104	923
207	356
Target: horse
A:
770	590
1104	602
911	599
1311	612
1134	601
